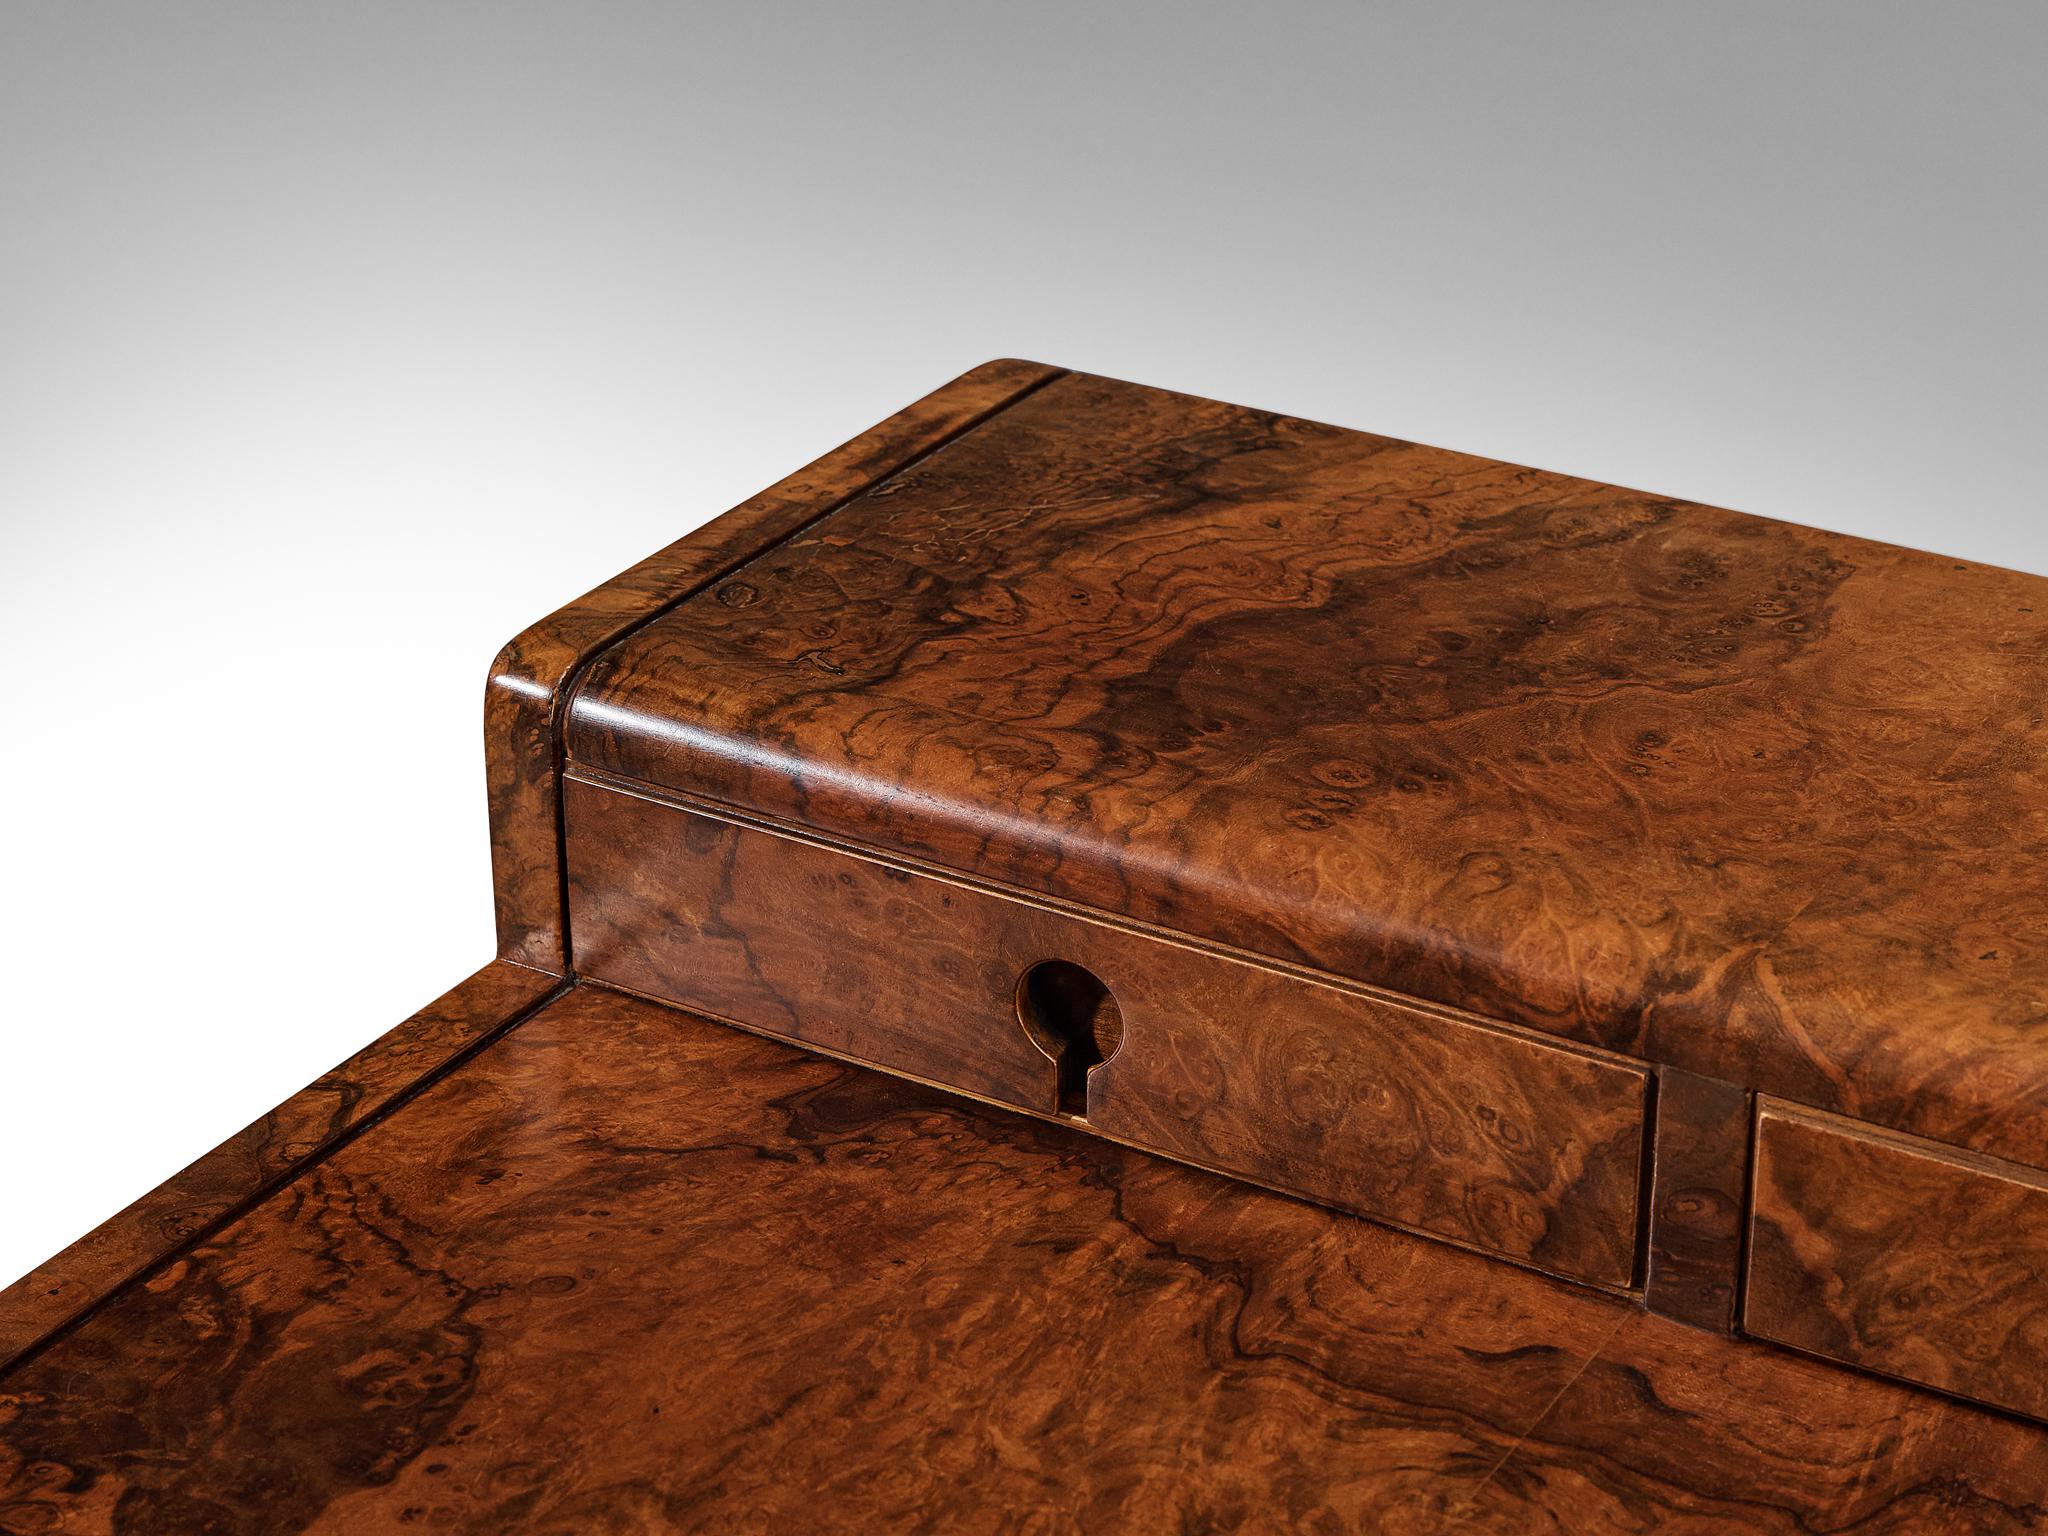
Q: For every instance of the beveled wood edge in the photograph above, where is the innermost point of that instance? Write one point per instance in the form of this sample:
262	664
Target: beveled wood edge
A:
536	672
192	1204
1770	1106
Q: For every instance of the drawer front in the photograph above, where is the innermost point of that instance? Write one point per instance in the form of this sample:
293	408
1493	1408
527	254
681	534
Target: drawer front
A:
1900	1255
1419	1116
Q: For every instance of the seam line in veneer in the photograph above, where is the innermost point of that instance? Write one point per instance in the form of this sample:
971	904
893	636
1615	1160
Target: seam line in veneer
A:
1545	1412
1739	1319
1906	1143
563	703
1373	991
1096	1133
1646	1183
284	1176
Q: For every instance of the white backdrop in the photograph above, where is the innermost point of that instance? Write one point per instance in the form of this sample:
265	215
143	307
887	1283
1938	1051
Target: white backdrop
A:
338	343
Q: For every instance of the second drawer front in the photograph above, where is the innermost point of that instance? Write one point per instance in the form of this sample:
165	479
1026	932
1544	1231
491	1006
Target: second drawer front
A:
1427	1118
1900	1255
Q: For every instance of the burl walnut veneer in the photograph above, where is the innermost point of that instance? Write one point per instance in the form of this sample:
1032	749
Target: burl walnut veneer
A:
1632	907
626	1270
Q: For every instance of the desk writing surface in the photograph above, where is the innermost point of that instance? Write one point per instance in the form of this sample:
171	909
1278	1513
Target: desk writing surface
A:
625	1270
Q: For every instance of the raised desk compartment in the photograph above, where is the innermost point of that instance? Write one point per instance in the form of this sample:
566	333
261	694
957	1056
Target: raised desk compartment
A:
1900	1255
1419	1116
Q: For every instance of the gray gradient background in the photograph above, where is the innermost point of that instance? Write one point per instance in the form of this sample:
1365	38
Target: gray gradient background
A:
338	342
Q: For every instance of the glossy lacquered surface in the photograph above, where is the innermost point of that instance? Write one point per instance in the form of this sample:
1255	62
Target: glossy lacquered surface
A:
536	669
260	1154
1759	802
1505	1140
1900	1255
1528	863
625	1270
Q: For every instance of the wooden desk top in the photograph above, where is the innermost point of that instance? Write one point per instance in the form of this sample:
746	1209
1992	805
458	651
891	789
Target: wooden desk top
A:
1760	802
620	1269
1192	779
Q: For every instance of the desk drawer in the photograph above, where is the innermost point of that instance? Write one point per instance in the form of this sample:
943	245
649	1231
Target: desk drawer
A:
1900	1255
1420	1116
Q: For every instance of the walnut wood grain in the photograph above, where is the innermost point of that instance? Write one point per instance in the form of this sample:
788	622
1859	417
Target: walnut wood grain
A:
1688	785
1701	1170
1900	1256
625	1270
1672	1430
262	1152
1432	1120
534	670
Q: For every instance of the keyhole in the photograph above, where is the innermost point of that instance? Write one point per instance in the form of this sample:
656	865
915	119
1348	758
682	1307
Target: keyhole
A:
1071	1017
